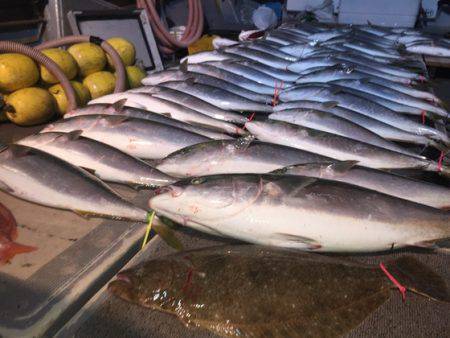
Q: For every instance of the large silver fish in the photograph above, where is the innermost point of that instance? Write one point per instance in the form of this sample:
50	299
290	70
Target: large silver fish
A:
174	110
237	156
347	100
104	161
118	108
430	194
44	179
219	97
136	137
338	147
300	213
329	122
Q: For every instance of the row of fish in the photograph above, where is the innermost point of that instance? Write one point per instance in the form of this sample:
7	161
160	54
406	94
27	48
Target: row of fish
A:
314	179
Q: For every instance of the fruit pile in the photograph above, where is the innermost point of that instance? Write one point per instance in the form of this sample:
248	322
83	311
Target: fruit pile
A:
30	95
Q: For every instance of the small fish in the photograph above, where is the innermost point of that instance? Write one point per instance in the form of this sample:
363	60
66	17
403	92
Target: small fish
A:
253	291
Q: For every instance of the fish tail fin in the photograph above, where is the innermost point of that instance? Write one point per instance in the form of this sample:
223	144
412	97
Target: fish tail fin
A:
419	278
10	249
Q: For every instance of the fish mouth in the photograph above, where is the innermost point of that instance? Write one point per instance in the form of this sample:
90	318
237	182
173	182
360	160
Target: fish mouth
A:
173	190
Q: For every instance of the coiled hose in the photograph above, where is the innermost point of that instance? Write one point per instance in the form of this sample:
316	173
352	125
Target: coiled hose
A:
53	68
121	75
168	43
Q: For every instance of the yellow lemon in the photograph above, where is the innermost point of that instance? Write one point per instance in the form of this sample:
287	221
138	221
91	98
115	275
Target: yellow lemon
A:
124	48
64	60
89	57
135	76
30	106
100	83
3	117
17	71
81	92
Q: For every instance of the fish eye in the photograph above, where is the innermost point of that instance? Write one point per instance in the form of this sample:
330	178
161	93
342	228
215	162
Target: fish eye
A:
198	180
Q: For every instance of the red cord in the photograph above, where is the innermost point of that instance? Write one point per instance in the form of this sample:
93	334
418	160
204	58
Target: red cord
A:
401	288
423	116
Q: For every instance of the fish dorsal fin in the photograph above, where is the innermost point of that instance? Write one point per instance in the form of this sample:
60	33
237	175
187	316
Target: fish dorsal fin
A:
115	120
205	126
364	80
184	66
169	115
118	105
71	136
330	104
190	81
244	142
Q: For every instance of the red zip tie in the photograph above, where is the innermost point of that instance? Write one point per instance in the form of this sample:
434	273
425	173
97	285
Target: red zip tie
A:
423	116
401	288
275	95
250	119
441	159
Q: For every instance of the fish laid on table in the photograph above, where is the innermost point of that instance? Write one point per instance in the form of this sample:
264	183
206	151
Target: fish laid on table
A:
41	178
361	105
253	291
338	147
104	161
219	97
259	56
118	108
300	213
378	127
8	234
191	77
391	94
137	137
208	56
329	122
168	108
422	192
233	156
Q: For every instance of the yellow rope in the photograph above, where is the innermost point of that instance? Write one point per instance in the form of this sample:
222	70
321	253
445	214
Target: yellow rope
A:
150	217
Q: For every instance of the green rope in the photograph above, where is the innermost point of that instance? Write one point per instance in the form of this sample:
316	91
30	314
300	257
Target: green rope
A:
150	217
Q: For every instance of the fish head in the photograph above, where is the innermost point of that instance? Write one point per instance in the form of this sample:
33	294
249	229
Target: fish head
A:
201	200
153	284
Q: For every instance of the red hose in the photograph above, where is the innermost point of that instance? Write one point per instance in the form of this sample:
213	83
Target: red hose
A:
121	75
53	68
169	43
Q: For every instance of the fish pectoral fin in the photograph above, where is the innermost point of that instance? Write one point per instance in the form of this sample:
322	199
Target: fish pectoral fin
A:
272	189
167	115
115	120
89	170
244	142
309	243
436	244
343	166
3	147
6	188
330	104
118	105
71	136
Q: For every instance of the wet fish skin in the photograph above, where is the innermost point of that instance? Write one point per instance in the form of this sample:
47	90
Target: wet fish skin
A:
136	137
378	127
421	192
229	77
107	163
62	185
325	93
233	156
195	103
259	56
328	122
299	212
113	109
219	97
275	51
335	146
193	77
208	56
175	110
237	274
391	94
166	75
280	74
